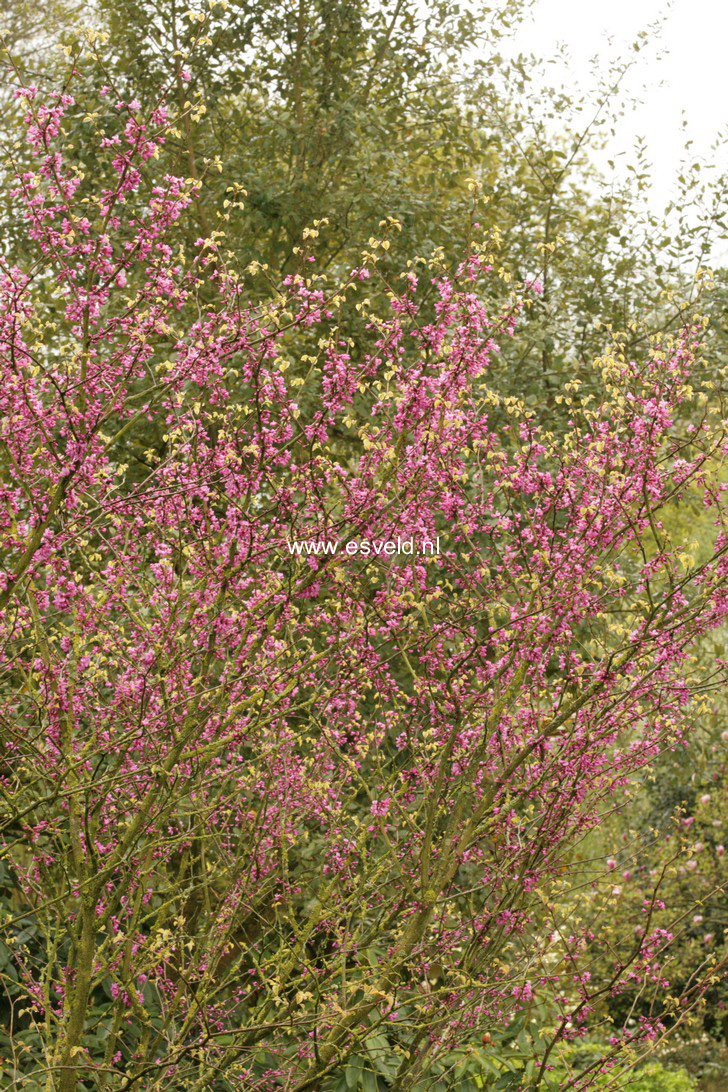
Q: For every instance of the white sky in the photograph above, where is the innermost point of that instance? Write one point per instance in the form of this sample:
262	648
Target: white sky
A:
694	73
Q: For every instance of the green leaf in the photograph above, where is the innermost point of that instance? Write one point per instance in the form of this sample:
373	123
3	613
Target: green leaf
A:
353	1073
368	1081
514	1029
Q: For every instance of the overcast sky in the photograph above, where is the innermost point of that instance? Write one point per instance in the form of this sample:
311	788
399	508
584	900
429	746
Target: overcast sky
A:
693	74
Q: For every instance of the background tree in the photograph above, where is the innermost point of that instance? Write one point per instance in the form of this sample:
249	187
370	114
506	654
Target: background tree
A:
346	112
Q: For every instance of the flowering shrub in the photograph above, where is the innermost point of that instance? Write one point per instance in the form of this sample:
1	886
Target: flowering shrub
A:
282	821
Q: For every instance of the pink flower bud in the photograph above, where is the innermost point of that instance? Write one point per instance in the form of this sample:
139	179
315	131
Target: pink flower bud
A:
691	865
